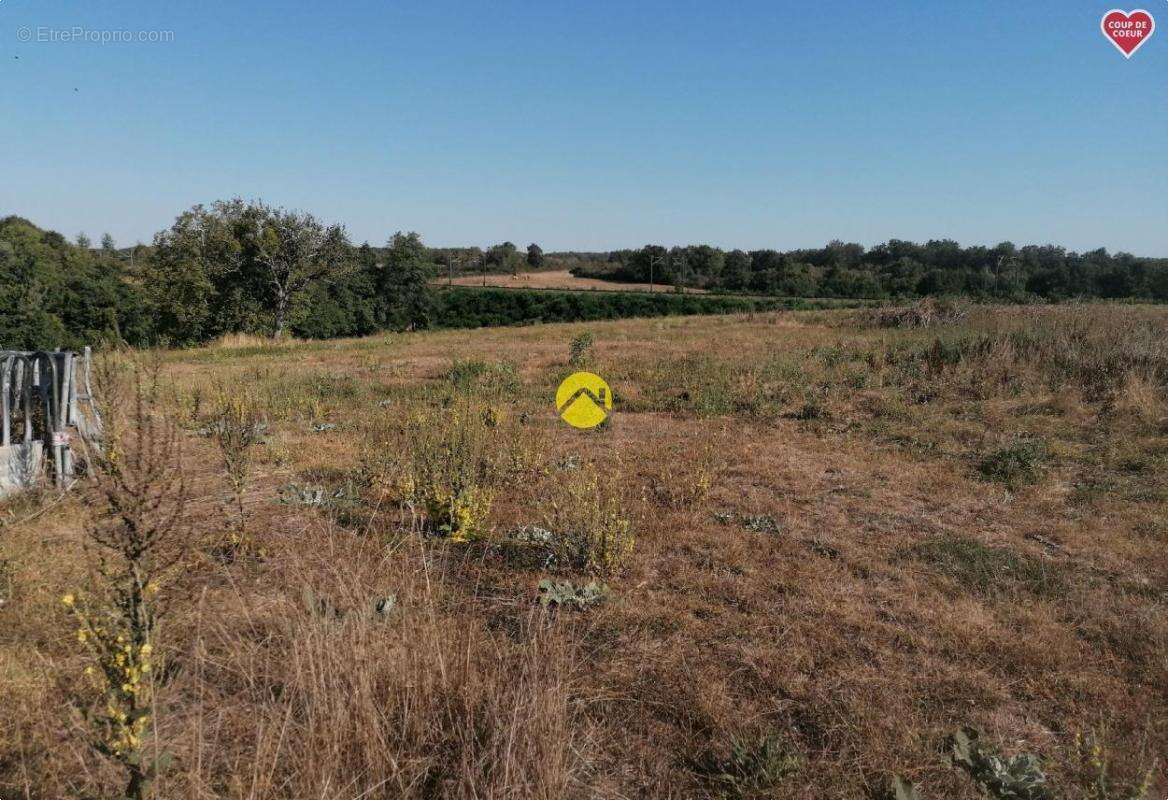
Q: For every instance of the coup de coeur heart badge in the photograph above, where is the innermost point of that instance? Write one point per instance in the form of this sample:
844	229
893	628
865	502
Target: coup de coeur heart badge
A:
1128	30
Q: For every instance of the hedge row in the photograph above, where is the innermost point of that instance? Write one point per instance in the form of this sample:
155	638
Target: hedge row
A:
467	307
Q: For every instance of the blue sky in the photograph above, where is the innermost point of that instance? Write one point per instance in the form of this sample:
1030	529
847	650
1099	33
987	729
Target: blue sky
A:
596	125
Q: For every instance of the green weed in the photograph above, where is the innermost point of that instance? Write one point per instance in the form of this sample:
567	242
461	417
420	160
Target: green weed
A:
752	764
985	570
1018	464
580	349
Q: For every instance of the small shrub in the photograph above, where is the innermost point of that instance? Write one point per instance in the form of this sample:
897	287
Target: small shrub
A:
237	430
1096	773
524	453
447	474
813	408
683	485
328	386
483	377
459	513
1019	464
590	529
580	350
463	373
118	641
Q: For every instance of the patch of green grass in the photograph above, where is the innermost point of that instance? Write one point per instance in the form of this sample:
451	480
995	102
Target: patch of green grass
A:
1152	528
1019	464
1143	462
473	374
752	765
327	386
988	571
1091	490
813	408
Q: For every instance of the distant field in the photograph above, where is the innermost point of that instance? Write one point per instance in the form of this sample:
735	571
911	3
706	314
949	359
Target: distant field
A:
559	279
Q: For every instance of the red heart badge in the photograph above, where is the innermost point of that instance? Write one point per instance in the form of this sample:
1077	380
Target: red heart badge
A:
1128	30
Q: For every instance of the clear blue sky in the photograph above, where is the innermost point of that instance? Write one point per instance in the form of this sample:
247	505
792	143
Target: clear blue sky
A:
596	125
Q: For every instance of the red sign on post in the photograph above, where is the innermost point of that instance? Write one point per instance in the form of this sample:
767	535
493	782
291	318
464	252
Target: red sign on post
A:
1128	30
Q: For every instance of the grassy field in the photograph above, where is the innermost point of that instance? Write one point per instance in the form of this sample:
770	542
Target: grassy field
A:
556	279
806	548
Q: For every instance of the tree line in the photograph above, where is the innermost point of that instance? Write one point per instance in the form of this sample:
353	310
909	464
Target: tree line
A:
240	267
503	258
231	267
895	269
247	267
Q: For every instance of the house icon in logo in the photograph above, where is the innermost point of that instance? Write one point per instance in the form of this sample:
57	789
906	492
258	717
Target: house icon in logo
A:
583	400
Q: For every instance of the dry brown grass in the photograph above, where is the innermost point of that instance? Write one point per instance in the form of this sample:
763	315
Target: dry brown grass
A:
850	541
307	689
558	279
240	341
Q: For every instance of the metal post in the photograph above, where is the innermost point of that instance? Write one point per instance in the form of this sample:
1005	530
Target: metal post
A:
64	420
653	260
28	369
5	401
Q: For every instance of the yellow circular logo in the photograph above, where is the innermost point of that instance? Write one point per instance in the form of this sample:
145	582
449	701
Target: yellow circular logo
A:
583	400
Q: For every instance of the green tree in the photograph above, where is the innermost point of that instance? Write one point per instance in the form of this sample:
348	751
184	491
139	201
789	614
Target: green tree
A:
705	265
26	321
736	270
240	266
54	294
190	272
534	256
290	251
649	264
504	258
404	283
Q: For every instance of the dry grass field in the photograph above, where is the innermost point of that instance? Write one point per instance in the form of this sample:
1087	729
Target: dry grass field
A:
557	279
805	549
